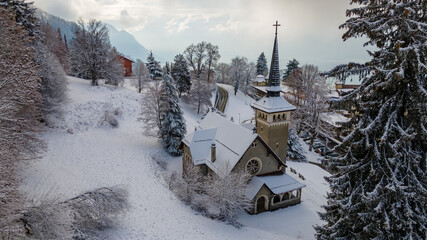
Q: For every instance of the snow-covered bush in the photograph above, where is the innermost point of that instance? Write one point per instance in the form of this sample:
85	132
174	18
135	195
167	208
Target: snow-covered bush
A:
216	197
109	117
82	217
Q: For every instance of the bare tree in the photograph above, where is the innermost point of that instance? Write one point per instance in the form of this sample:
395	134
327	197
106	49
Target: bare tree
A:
114	73
189	54
311	100
89	50
222	75
212	57
20	115
200	95
237	72
228	195
82	217
142	73
152	109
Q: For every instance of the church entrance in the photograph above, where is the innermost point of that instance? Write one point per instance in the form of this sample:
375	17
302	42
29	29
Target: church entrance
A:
261	204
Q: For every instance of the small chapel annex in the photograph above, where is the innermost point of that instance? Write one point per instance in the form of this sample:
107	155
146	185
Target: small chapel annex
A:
220	146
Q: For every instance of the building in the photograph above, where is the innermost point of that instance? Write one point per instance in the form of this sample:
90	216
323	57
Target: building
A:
219	146
259	80
127	65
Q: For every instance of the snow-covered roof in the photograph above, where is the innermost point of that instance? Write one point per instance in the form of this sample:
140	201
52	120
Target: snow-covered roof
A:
334	118
201	142
259	78
231	140
276	183
273	104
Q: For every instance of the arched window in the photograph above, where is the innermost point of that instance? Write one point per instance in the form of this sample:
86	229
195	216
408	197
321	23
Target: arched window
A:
276	199
274	117
294	194
278	116
284	116
286	196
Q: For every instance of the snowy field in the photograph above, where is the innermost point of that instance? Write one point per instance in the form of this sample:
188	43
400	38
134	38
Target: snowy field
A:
96	155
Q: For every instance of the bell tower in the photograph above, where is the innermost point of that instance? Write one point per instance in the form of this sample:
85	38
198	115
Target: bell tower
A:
272	112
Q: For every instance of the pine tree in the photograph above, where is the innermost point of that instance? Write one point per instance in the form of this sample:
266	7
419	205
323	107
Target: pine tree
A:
290	67
173	128
181	75
154	67
379	190
24	14
295	152
261	65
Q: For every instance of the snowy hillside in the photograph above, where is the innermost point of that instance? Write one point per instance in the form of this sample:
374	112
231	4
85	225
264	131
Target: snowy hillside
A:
95	155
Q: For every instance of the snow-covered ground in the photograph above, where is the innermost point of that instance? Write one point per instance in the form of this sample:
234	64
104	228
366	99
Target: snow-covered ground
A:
97	155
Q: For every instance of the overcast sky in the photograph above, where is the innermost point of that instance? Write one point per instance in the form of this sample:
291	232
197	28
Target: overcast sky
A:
309	30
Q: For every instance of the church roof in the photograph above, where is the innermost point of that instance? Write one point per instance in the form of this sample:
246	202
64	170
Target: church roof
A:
276	183
274	77
231	140
273	104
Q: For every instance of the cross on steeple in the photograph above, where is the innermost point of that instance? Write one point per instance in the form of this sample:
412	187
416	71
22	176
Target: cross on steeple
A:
276	25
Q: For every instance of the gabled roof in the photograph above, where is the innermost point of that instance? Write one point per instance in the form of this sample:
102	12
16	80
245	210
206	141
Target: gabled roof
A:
259	78
201	142
231	140
273	104
276	183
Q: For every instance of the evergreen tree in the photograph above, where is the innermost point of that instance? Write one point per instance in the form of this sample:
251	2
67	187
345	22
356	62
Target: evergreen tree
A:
379	190
290	67
173	128
261	65
295	152
181	75
154	67
24	14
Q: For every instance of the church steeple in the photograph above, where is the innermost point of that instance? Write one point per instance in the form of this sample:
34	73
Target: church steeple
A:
273	112
273	89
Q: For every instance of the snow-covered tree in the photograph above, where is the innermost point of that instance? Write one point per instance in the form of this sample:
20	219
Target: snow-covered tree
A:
173	128
181	75
228	195
20	115
212	57
237	72
290	67
152	109
200	55
24	14
115	73
295	152
153	66
379	190
53	41
222	70
142	74
312	102
200	95
54	82
90	51
261	65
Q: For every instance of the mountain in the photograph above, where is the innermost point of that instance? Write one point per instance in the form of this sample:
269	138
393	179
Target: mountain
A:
123	41
127	44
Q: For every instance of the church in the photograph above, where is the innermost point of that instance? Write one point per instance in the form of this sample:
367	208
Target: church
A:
220	146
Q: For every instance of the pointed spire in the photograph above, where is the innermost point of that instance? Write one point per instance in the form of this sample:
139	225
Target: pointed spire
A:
273	89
